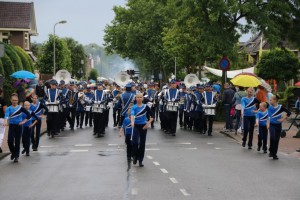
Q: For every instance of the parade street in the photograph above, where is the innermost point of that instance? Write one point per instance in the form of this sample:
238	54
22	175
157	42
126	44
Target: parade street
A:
75	165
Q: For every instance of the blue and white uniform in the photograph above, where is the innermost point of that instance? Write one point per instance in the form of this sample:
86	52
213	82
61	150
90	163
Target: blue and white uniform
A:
262	118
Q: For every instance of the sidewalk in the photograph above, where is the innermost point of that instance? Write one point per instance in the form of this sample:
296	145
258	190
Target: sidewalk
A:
5	145
287	145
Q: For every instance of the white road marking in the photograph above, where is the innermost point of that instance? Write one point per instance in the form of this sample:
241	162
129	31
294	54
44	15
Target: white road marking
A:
153	149
151	143
83	145
218	148
150	157
164	171
209	143
194	148
134	191
113	144
184	192
47	146
156	163
78	151
184	143
173	180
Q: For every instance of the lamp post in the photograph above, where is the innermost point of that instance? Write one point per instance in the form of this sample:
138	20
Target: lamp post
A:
54	64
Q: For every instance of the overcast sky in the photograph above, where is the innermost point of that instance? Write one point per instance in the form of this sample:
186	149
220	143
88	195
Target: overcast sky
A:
86	19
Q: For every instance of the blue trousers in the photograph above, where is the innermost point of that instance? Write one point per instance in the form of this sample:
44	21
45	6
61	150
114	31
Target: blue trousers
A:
275	130
262	137
35	138
14	139
139	141
249	122
26	138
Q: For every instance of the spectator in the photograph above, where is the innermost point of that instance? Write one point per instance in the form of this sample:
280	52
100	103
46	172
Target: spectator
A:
261	94
21	92
216	87
39	89
238	107
227	97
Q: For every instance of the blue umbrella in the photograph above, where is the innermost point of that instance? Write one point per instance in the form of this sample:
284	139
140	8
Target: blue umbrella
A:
92	81
23	74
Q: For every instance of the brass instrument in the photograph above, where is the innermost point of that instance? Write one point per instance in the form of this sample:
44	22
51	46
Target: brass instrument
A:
81	98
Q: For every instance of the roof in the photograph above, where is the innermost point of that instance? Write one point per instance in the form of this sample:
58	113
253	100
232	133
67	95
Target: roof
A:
17	15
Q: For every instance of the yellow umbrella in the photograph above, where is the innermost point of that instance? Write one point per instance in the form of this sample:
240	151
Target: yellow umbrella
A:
246	80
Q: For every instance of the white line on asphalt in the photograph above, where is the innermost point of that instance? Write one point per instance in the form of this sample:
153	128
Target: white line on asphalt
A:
134	191
83	145
173	180
113	144
184	192
184	143
150	157
153	149
151	143
194	148
210	143
164	171
218	148
47	146
156	163
78	151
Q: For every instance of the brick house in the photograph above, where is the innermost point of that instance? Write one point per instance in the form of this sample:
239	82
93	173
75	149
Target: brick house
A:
17	24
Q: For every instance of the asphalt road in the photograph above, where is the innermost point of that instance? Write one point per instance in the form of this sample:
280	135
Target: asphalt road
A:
76	165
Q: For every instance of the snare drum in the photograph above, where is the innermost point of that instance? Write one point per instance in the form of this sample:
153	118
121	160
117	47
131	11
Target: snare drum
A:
88	108
209	109
172	106
53	108
98	108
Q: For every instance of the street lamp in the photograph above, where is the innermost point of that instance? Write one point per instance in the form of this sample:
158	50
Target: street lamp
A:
54	64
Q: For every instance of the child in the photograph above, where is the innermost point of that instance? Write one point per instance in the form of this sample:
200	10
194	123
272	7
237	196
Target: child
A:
126	129
275	113
262	123
14	114
27	128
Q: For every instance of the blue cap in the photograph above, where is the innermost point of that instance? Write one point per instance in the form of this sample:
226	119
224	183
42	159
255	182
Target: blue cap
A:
88	87
151	83
207	85
62	82
100	83
183	86
72	83
80	88
173	81
193	88
53	82
200	86
128	85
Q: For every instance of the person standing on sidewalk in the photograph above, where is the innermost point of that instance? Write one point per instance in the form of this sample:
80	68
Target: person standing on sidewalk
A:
227	97
139	124
276	118
13	119
263	126
3	107
248	112
237	98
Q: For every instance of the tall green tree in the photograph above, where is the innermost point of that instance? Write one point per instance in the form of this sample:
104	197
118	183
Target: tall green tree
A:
63	56
279	64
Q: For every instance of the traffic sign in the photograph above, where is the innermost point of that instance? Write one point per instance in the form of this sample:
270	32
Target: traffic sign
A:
224	64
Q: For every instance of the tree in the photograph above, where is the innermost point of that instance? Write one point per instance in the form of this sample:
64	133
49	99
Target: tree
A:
25	59
278	64
62	53
14	57
93	74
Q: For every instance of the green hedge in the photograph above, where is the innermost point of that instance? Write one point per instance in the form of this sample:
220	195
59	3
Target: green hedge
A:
8	65
14	57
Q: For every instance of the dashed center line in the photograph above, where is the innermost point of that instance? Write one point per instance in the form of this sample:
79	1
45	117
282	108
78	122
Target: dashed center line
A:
173	180
47	146
83	145
78	151
156	163
218	148
150	157
184	192
194	148
209	143
164	171
113	144
184	143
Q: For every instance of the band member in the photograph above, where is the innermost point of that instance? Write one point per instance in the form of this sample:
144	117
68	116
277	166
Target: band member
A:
126	130
156	87
140	125
116	93
275	112
37	107
182	94
199	114
152	96
52	99
162	109
80	106
89	96
134	89
27	128
172	97
71	105
98	113
63	103
248	113
109	98
209	99
126	101
263	126
13	118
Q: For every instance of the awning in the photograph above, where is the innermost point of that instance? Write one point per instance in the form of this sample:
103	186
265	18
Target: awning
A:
230	74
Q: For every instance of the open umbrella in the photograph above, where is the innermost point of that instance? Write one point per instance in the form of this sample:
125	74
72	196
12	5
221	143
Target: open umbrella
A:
92	81
18	82
23	74
297	84
246	80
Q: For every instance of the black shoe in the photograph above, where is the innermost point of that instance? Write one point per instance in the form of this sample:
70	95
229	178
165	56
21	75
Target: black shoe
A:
35	149
244	144
134	160
173	134
94	133
48	133
270	155
12	157
72	129
27	154
55	133
62	129
298	150
16	160
275	158
81	127
265	151
152	126
115	125
249	147
141	164
23	151
1	150
209	134
258	148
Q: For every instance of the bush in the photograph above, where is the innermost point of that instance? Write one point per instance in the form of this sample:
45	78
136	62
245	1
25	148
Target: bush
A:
14	57
25	59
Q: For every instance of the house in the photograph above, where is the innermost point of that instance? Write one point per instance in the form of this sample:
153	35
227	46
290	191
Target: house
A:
259	43
17	24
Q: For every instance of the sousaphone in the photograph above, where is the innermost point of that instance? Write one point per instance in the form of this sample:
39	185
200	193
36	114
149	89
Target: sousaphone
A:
191	80
122	78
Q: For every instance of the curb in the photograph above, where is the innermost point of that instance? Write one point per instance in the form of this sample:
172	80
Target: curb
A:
230	136
3	155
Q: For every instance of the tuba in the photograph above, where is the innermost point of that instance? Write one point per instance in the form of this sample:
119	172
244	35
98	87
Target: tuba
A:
122	78
191	80
62	75
81	98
